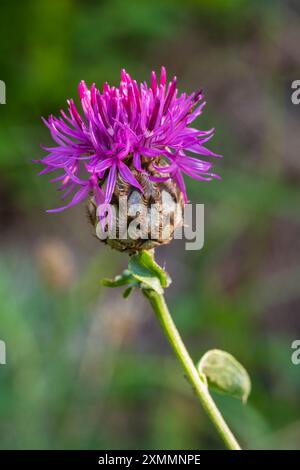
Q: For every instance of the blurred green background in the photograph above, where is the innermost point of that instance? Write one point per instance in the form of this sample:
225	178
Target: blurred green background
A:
85	368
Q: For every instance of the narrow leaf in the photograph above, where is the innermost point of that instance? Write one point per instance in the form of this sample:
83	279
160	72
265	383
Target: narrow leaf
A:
120	280
127	292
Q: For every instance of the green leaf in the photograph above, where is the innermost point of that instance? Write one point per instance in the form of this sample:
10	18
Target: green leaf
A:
142	272
127	291
148	260
145	260
146	279
225	374
120	280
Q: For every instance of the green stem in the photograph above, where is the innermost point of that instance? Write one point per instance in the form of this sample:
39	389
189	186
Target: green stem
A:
162	312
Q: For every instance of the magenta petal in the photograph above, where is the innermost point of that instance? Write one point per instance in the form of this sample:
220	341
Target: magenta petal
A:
153	83
159	179
137	162
163	76
111	183
98	194
79	196
104	164
197	148
165	169
148	152
180	181
128	176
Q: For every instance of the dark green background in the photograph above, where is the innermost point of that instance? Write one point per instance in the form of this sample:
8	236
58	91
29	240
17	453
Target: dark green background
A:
85	368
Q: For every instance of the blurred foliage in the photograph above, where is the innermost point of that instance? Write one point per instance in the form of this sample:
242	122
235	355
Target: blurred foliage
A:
85	368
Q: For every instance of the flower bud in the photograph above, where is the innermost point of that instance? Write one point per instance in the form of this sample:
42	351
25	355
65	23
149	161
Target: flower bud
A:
140	220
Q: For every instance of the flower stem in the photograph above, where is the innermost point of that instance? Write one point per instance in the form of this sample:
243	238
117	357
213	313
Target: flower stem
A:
162	312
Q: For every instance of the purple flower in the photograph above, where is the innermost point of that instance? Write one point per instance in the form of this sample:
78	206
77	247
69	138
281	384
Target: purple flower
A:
120	128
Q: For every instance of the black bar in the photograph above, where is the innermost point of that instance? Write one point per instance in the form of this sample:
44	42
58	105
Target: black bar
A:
133	458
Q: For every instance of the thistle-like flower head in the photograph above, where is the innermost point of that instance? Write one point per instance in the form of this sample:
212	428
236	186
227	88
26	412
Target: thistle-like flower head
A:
123	130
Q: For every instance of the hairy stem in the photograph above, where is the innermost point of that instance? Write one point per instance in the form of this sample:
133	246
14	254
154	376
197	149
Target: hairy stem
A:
162	312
